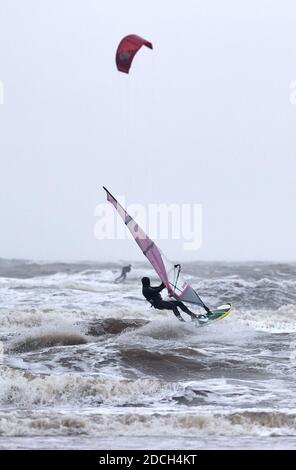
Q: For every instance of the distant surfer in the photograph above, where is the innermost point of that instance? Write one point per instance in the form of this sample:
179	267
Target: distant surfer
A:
124	271
152	294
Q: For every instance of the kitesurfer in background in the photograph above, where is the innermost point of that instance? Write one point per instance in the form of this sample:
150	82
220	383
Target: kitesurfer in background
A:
124	271
152	294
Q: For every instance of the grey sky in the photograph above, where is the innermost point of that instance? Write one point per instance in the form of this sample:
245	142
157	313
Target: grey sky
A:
207	114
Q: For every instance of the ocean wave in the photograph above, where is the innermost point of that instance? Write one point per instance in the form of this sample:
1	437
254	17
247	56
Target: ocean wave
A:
23	388
18	320
280	320
189	363
260	423
43	340
25	269
114	326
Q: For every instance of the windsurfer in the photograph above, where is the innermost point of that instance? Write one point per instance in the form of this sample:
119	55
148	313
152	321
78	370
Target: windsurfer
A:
152	294
124	271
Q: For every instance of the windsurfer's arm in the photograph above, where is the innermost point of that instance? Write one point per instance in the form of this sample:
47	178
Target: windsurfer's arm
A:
170	293
159	288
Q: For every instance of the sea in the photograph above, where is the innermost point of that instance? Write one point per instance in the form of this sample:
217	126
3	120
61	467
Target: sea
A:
86	363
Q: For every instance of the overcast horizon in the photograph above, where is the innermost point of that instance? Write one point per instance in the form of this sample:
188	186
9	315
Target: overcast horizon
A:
206	117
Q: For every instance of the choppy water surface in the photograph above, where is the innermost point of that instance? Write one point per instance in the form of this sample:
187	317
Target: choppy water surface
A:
88	364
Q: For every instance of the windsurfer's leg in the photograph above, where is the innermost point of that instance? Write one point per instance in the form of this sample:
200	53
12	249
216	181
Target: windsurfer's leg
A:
165	305
185	309
177	314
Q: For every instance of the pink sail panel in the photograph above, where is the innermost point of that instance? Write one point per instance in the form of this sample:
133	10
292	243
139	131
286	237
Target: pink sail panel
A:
147	246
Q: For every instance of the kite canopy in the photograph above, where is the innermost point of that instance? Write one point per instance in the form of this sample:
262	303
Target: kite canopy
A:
127	49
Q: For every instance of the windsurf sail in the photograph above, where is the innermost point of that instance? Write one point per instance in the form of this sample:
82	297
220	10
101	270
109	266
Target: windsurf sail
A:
169	273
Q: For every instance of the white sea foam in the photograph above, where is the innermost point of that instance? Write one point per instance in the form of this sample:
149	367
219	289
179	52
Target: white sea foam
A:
136	423
85	356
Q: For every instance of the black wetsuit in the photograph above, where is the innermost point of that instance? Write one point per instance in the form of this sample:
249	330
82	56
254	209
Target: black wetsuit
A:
152	294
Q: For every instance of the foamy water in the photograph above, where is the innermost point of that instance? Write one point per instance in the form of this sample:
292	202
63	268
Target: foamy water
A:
88	364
